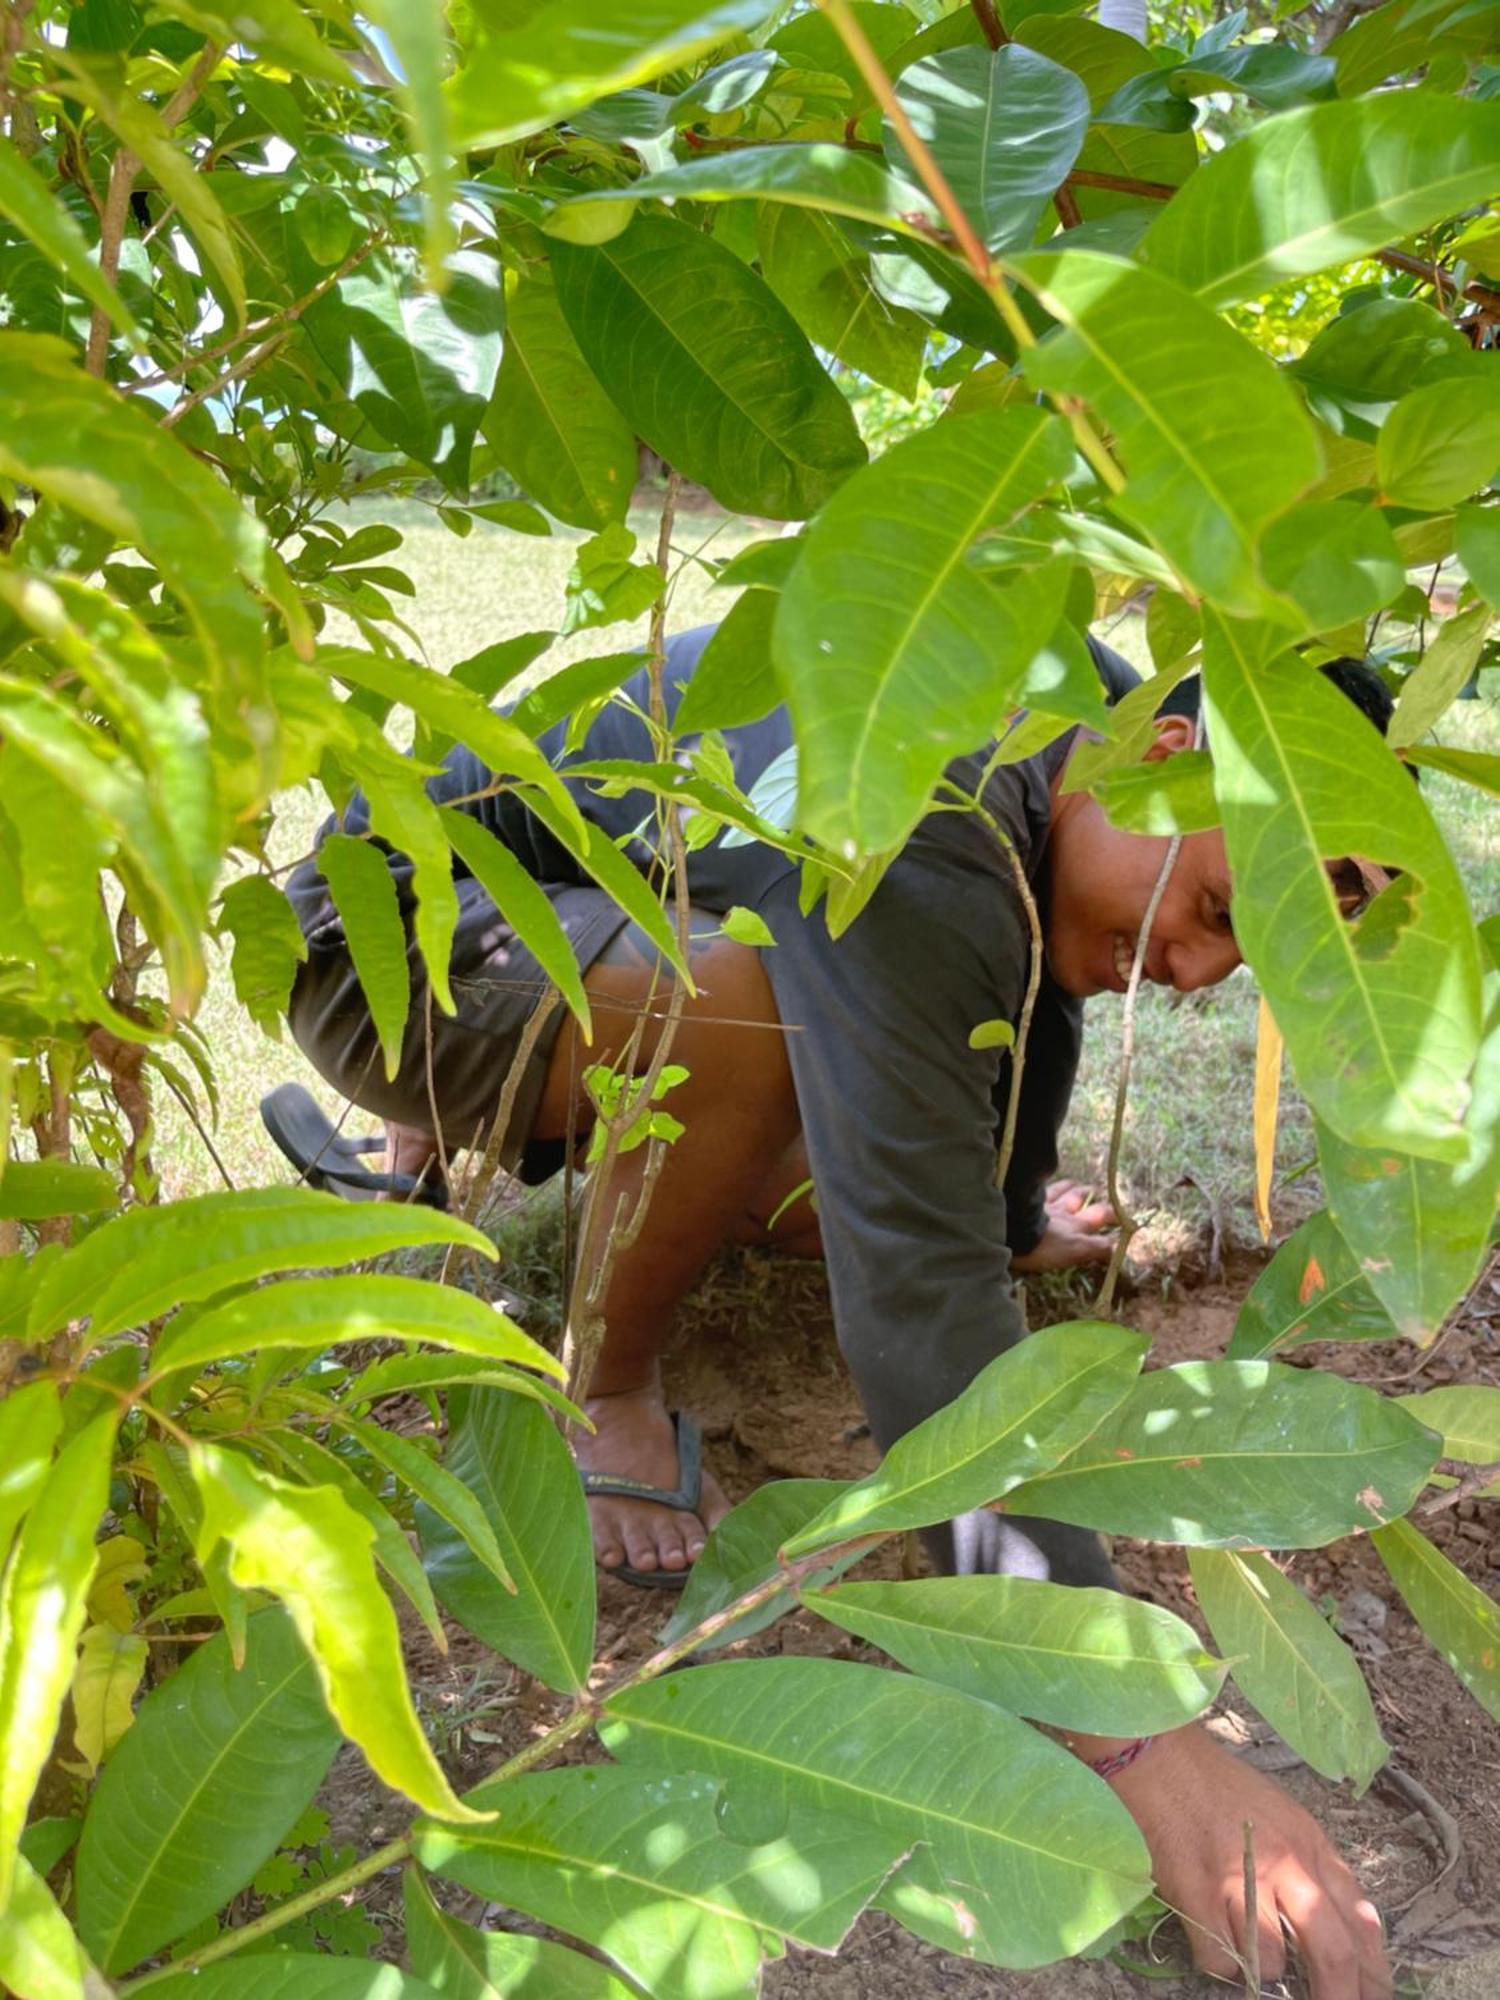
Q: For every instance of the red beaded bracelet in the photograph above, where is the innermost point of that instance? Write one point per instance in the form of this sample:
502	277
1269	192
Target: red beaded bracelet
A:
1119	1760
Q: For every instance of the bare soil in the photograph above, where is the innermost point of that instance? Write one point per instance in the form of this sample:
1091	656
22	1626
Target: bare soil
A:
757	1363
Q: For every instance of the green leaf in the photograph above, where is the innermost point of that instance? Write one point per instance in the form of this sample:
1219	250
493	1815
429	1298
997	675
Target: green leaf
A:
319	1312
1291	1664
598	856
1312	1289
420	365
403	1374
1441	443
150	1259
1164	796
1477	546
418	38
742	1552
1470	767
83	445
1375	352
364	894
1335	559
446	1497
550	424
30	1420
268	948
1189	404
1302	779
1076	1658
748	927
524	906
309	1548
734	681
1321	185
470	1964
575	693
1239	1454
43	1607
292	1975
278	28
637	1865
1003	125
830	180
40	1958
997	1034
27	201
528	67
138	125
512	1458
1467	1418
893	653
1021	1414
604	586
35	1189
1460	1621
985	1794
703	359
830	291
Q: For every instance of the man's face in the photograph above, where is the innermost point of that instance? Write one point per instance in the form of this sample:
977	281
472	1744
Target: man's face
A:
1101	883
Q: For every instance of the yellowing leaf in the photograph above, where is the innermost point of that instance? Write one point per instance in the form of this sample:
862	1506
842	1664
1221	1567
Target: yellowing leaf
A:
308	1546
1267	1100
122	1561
109	1670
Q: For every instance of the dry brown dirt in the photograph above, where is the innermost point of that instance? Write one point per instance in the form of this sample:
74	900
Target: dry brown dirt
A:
756	1361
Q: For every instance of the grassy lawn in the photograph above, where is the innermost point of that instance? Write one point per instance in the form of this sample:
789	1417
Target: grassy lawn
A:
1188	1157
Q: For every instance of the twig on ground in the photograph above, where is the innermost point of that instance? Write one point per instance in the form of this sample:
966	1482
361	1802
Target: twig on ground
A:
1473	1479
1252	1917
1438	1817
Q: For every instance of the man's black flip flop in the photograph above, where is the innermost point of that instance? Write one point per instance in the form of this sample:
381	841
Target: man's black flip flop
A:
684	1498
325	1158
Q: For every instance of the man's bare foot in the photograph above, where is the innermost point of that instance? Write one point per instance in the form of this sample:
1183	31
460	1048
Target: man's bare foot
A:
635	1439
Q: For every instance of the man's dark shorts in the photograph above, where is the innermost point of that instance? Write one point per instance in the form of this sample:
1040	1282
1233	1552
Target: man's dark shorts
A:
497	988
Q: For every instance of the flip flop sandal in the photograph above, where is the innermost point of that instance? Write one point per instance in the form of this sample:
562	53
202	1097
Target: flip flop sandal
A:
684	1498
327	1159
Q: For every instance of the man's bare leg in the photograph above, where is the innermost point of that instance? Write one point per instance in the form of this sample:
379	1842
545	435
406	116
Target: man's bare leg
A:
739	1111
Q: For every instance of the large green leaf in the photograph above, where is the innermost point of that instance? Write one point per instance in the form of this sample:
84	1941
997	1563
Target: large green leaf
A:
893	653
218	1764
27	201
831	293
40	1957
152	1259
512	1458
43	1607
830	180
77	441
1302	780
1477	546
1336	560
524	905
268	948
529	65
1465	1415
1462	1623
1291	1663
734	680
1312	1289
470	1964
419	365
318	1312
293	1975
636	1864
1239	1454
1076	1658
369	911
709	366
35	1189
1028	1856
1377	351
30	1419
435	1486
308	1547
1004	126
743	1552
278	28
1189	404
1441	443
401	1374
550	424
1320	186
1021	1414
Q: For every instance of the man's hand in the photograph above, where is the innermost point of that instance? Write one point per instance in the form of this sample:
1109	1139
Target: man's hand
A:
1191	1799
1079	1231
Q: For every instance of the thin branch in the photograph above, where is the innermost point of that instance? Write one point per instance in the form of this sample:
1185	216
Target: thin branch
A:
1252	1917
1473	1481
1069	214
993	29
1484	296
1121	184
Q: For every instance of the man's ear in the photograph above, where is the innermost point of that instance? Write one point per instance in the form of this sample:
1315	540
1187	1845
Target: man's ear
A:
1173	733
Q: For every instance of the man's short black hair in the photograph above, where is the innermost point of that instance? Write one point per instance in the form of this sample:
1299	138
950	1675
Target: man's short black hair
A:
1355	678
